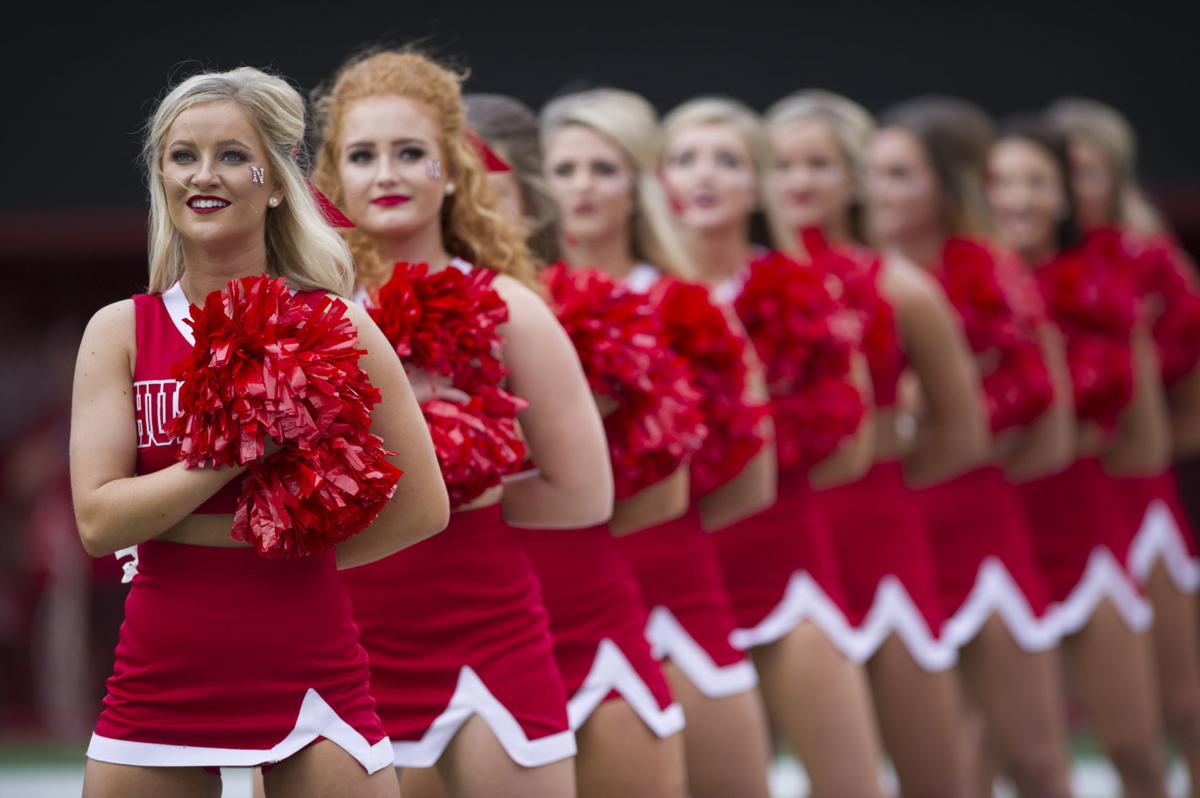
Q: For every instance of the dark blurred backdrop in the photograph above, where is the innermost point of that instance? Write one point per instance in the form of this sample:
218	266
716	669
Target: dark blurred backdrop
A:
79	84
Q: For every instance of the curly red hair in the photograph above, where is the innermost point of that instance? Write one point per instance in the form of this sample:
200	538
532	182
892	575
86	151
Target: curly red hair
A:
474	227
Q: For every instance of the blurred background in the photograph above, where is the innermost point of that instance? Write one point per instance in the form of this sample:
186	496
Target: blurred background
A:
72	213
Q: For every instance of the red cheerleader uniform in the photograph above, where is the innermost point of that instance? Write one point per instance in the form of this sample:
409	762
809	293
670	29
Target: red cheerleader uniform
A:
882	542
677	569
984	546
781	564
455	626
1168	287
1078	516
225	658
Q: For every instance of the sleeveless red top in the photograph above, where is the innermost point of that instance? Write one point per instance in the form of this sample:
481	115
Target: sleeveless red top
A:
164	339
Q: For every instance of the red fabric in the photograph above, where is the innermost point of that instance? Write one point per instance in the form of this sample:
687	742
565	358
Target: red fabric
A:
491	161
879	530
1168	282
975	516
160	346
332	214
677	567
1072	513
267	364
1135	495
805	339
760	554
447	323
999	309
699	330
657	423
203	660
858	270
1092	300
466	596
591	595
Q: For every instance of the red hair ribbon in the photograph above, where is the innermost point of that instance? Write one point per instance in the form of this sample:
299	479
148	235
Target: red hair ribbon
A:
491	160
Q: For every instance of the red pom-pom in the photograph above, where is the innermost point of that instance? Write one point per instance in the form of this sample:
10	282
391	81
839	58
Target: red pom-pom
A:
1090	293
805	339
858	273
267	363
1167	281
476	443
1000	310
296	503
448	323
445	322
698	330
658	422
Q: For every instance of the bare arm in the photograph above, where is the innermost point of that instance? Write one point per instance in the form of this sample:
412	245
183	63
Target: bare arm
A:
754	488
113	508
573	486
1141	442
952	431
1184	405
420	506
852	459
1048	444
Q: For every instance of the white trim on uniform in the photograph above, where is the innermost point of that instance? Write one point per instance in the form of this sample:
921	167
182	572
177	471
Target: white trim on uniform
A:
315	719
1160	538
642	277
611	670
893	610
803	600
471	697
669	640
1102	578
128	569
996	592
179	309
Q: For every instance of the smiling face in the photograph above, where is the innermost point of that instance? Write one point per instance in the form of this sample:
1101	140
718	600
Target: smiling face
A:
592	182
710	176
388	146
1026	195
212	161
813	184
902	188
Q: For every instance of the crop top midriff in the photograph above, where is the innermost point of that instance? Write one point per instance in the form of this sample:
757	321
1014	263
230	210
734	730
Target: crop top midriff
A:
164	339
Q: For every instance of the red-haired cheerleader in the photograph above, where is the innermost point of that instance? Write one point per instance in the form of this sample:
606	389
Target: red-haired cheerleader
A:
779	563
231	429
462	660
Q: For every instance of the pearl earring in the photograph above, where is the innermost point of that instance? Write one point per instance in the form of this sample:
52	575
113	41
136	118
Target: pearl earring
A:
449	189
273	202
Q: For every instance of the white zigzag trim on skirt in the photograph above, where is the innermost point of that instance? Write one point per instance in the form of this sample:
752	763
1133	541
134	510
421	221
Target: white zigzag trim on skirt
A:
315	719
471	697
995	591
1160	538
1102	578
803	600
893	610
668	639
611	670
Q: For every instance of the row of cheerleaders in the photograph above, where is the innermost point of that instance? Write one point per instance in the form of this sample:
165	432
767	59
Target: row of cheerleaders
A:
873	491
